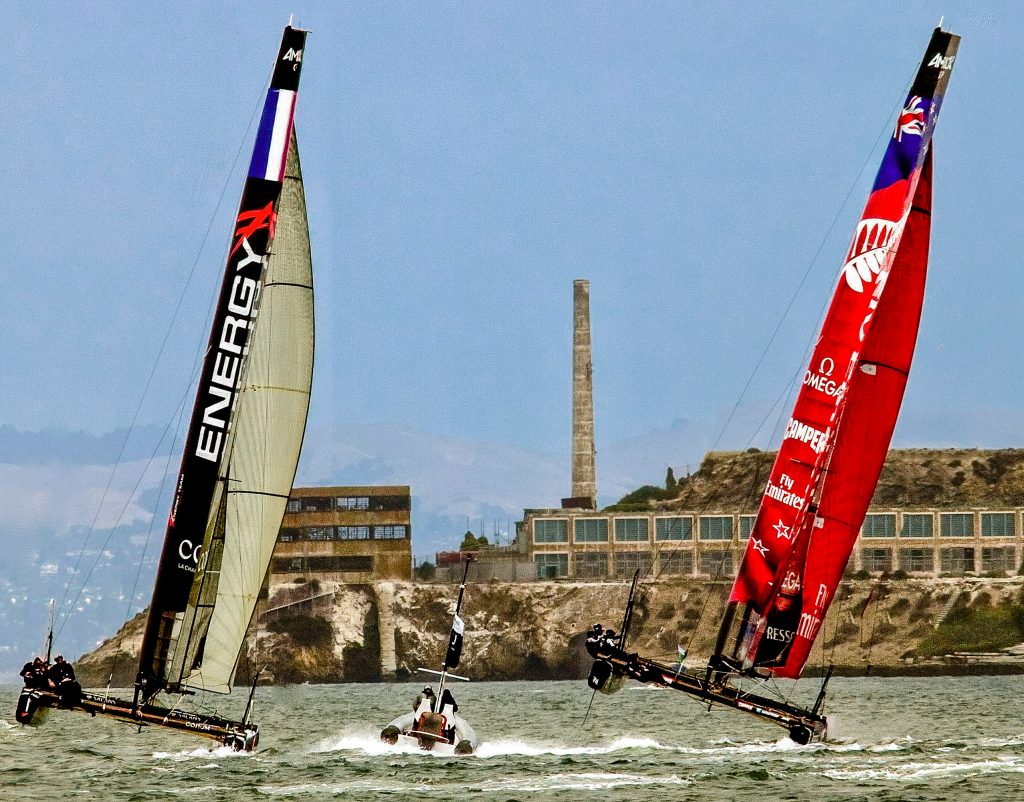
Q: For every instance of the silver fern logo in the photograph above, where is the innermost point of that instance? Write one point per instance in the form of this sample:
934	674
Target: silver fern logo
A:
869	251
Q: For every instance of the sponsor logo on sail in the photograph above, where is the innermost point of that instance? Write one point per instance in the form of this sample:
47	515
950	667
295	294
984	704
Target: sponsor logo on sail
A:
804	433
808	627
941	61
822	380
778	634
232	344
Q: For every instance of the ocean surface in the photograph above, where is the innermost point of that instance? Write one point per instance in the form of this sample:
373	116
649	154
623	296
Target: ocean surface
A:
891	739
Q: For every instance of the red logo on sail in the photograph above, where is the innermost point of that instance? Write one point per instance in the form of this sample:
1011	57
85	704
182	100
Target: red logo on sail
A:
249	223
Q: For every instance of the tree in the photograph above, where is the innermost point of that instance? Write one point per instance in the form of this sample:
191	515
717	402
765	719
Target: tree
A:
670	479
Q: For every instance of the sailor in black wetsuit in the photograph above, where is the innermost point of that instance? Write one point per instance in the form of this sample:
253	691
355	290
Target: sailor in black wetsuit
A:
62	675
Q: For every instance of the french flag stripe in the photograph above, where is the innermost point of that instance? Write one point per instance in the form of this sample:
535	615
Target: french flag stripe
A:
268	155
264	134
281	133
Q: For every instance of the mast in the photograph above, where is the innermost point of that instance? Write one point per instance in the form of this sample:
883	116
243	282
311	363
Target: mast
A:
836	440
200	510
454	652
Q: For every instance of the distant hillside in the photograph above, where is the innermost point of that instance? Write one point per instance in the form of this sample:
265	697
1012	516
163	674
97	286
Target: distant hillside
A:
912	477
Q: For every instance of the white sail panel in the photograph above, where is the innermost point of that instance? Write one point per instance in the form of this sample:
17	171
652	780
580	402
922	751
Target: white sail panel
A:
266	438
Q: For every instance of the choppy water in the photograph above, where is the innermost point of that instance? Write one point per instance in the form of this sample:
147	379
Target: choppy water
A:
894	739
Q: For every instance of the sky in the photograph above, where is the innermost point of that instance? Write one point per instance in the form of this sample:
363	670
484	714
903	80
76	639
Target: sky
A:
703	165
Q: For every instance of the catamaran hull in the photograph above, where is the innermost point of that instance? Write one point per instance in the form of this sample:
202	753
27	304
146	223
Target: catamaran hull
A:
612	665
34	704
401	733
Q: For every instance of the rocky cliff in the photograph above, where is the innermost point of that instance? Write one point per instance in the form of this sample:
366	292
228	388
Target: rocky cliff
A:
535	630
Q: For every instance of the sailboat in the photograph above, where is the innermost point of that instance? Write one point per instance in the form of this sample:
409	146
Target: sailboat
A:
241	450
834	445
433	725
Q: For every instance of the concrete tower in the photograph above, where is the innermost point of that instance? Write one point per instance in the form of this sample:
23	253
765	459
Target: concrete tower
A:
584	482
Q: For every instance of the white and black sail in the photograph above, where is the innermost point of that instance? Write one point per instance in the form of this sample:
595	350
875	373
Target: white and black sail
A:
248	421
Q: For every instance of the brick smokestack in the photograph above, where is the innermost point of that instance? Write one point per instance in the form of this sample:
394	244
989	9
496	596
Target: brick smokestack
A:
584	482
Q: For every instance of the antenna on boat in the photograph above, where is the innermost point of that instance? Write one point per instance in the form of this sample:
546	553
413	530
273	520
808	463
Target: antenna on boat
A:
49	634
290	16
941	19
454	651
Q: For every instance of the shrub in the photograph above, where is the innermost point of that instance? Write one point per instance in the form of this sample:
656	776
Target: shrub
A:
304	630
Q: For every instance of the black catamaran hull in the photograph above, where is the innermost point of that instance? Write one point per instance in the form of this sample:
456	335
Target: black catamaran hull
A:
239	736
612	665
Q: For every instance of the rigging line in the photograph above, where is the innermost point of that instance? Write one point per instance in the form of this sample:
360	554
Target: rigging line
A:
117	521
160	352
149	537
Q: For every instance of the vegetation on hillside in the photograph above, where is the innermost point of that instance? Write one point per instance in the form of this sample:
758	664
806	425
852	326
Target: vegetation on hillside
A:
977	626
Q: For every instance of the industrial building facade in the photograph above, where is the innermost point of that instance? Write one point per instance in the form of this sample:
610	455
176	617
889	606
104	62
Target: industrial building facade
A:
585	544
345	534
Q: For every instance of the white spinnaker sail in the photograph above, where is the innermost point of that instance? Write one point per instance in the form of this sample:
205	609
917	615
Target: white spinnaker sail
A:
263	451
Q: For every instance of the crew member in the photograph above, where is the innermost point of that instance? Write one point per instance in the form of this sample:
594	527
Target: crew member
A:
448	710
62	676
424	702
30	673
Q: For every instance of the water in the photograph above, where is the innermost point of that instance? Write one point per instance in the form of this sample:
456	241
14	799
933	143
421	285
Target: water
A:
893	739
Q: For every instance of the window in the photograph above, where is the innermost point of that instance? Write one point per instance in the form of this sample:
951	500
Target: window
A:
629	562
288	535
389	532
673	528
551	566
352	503
917	524
675	561
550	530
353	533
318	533
996	524
360	564
956	524
998	559
631	529
293	505
716	527
590	530
917	560
746	526
716	563
956	561
879	525
314	504
876	560
590	565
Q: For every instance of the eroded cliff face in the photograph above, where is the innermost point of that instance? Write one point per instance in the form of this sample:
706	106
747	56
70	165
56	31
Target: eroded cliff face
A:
535	630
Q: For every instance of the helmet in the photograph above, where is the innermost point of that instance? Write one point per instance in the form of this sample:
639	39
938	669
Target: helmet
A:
59	658
428	691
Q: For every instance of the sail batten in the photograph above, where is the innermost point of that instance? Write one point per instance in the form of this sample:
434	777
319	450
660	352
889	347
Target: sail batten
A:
836	439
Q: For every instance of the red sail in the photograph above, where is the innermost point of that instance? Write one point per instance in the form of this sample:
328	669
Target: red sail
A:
872	405
835	442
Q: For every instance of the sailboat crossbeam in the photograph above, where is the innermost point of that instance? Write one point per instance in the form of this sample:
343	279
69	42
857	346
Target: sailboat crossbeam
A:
238	735
612	663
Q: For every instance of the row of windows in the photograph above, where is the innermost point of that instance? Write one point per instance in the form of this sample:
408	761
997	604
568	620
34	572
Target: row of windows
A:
337	503
720	527
361	563
388	532
956	560
593	565
951	524
631	530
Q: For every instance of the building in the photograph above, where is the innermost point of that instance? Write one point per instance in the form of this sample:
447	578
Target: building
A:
345	534
592	545
935	513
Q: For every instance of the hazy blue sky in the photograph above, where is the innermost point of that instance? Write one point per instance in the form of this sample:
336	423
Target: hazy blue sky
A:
464	163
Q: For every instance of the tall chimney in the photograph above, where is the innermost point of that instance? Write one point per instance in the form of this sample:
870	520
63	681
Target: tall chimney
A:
584	484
